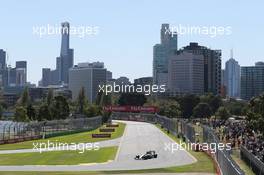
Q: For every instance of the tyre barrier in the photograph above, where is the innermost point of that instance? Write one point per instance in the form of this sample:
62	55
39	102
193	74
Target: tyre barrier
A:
101	135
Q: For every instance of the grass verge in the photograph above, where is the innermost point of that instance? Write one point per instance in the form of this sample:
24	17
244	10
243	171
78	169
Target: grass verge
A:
59	157
83	137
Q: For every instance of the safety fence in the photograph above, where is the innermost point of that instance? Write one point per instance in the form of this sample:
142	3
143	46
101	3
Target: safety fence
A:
12	132
253	162
185	129
225	161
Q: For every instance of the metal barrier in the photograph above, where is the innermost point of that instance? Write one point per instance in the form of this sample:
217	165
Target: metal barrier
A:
254	163
11	132
225	161
187	130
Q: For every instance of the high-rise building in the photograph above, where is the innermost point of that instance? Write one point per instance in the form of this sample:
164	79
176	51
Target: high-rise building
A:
21	67
3	77
21	64
2	59
11	76
252	80
109	75
65	38
49	77
212	66
20	77
232	78
161	53
46	77
65	61
54	77
3	69
186	73
89	76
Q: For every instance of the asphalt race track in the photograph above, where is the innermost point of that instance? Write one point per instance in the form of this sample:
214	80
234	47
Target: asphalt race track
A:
138	138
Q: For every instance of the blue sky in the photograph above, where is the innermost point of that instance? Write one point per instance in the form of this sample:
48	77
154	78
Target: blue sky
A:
128	29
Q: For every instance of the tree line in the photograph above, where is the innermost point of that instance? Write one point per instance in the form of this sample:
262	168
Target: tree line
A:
58	107
194	106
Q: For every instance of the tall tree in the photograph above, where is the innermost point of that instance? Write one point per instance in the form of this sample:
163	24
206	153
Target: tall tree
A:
236	107
2	101
99	97
255	119
31	112
213	101
106	100
187	103
60	108
92	110
223	113
202	110
170	109
24	98
21	114
49	97
44	113
1	112
81	100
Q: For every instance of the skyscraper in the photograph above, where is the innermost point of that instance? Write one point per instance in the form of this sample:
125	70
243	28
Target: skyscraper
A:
46	77
212	66
2	59
3	69
232	78
65	61
11	76
20	76
89	76
161	53
109	75
21	67
65	38
252	80
186	73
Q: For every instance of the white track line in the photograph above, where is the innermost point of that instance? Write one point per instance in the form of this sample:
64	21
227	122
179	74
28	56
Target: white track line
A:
120	143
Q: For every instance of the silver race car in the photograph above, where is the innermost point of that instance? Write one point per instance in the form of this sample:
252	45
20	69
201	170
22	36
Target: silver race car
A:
148	155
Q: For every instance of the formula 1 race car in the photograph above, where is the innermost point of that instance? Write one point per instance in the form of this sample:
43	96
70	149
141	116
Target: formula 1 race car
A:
148	155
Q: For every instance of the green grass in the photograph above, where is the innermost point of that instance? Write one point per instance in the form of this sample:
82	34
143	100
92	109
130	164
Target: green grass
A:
83	137
59	157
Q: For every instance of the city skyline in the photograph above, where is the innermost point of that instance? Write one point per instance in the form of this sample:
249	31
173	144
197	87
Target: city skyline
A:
138	34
